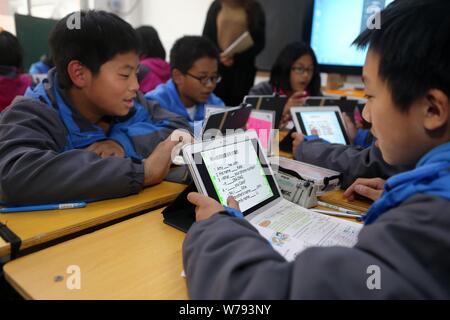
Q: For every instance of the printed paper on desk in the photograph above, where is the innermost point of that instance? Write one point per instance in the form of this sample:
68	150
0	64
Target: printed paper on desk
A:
241	44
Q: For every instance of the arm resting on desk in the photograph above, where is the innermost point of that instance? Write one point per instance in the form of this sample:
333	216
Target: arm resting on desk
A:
353	162
225	258
34	169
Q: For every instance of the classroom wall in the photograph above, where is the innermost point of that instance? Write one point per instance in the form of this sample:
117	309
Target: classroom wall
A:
175	18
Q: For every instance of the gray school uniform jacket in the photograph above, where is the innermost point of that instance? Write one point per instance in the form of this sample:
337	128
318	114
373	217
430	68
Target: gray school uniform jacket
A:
404	254
39	163
352	161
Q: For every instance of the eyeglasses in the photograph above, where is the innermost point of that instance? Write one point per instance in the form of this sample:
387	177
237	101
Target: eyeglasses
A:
301	70
205	80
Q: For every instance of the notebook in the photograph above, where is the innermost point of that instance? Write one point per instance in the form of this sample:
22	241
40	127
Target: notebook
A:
234	165
327	121
271	102
241	44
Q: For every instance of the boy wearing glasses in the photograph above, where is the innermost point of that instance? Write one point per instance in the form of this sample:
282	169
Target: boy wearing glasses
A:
194	69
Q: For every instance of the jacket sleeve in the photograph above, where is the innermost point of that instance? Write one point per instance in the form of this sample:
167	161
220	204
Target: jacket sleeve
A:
352	161
149	126
34	168
226	258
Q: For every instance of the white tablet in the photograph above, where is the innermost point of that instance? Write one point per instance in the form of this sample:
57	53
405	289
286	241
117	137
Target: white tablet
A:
327	121
233	165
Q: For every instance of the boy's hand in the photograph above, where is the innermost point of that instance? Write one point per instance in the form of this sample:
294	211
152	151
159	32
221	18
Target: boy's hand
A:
298	138
370	188
206	207
107	148
157	165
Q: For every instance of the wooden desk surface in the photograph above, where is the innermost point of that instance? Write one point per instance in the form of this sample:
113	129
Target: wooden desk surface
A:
4	248
42	226
140	258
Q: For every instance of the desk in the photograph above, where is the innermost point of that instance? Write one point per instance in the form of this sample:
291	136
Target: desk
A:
337	198
4	248
140	258
42	226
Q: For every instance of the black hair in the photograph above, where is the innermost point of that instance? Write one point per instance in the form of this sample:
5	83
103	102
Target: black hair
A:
280	75
11	53
99	37
150	43
189	49
413	44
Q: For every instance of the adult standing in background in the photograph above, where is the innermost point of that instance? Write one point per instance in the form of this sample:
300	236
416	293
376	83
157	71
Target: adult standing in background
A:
225	22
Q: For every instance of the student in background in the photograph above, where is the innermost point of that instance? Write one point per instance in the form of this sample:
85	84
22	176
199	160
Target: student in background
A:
194	68
86	133
225	22
43	66
294	74
12	81
406	234
153	70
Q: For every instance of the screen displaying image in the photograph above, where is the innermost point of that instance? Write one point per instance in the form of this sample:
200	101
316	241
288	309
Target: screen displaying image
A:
235	170
336	24
326	124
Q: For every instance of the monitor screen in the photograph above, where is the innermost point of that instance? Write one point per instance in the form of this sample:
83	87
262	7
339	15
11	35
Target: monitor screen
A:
335	25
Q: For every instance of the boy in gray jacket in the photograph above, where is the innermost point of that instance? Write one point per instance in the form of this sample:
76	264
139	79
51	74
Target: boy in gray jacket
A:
86	133
406	237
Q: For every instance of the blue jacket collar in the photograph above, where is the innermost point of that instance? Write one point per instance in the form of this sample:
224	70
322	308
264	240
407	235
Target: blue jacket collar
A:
431	177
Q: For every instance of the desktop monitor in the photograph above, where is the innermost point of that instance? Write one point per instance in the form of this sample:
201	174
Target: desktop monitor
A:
335	25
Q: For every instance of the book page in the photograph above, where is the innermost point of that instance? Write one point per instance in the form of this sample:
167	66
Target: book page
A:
291	229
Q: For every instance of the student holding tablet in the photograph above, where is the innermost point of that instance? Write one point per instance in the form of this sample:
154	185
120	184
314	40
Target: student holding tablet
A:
406	235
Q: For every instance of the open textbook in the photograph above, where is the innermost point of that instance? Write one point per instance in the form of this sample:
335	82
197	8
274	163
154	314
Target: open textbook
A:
241	44
236	166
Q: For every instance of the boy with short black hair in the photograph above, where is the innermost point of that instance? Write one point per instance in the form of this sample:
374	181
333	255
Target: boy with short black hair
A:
86	133
406	236
194	67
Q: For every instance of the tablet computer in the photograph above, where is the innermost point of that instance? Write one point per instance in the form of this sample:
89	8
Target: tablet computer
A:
233	165
271	102
227	119
345	105
327	121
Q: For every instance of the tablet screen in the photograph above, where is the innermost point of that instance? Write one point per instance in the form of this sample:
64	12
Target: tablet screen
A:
326	123
236	170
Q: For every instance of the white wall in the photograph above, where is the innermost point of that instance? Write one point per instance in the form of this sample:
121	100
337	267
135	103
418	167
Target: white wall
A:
175	18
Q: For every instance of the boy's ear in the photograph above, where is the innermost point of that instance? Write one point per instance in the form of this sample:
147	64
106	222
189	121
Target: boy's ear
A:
78	73
437	110
177	77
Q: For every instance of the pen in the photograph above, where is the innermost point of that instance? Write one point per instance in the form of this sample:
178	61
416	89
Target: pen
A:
42	207
340	209
339	214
